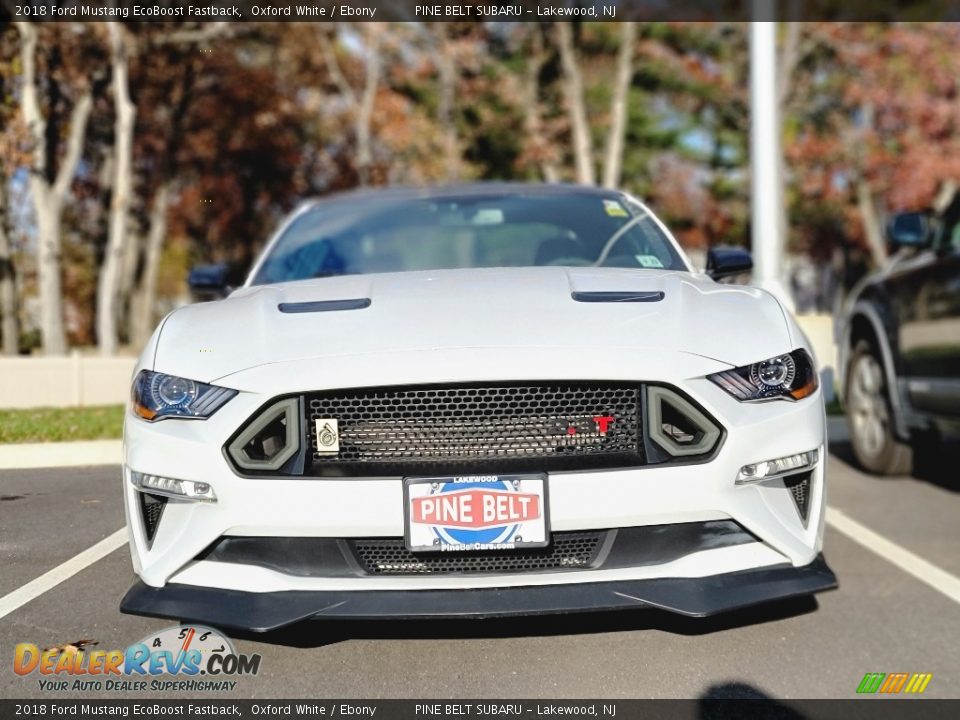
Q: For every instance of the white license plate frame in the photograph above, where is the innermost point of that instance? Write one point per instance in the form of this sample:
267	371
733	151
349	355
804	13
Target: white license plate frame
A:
482	502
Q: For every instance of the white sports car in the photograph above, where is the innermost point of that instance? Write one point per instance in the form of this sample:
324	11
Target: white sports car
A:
475	401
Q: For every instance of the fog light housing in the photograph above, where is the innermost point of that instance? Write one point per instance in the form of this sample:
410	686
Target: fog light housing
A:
772	469
172	488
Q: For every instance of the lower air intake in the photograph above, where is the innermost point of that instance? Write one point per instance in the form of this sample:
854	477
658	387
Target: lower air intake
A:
799	487
151	508
568	551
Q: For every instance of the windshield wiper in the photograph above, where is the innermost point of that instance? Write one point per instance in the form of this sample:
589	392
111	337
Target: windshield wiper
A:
612	240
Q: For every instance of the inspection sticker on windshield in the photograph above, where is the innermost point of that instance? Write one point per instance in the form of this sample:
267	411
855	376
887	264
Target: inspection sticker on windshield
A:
476	512
649	261
488	216
614	209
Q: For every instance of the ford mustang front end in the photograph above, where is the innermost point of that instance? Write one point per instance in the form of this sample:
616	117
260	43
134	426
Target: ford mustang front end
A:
481	401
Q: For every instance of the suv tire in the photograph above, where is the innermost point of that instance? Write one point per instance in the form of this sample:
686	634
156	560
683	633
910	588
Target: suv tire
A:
870	416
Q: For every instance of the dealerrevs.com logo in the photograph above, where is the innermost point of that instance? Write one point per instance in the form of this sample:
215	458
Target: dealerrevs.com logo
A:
183	657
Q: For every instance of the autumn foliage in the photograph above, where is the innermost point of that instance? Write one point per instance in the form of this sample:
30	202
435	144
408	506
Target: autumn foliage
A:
234	124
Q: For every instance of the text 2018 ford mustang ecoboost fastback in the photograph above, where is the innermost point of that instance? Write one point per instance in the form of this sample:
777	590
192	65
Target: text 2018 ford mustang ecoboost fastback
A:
474	401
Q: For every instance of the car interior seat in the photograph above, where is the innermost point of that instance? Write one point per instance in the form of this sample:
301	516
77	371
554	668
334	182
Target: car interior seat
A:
557	250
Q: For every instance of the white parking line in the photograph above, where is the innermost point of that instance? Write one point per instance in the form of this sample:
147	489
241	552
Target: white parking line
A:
914	565
49	580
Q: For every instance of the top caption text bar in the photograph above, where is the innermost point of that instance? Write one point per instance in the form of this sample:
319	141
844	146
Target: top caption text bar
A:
444	11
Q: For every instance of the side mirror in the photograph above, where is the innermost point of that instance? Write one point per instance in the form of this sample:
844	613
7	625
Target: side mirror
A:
727	261
910	229
210	282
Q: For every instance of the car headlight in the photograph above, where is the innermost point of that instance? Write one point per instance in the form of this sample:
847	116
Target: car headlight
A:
791	376
157	396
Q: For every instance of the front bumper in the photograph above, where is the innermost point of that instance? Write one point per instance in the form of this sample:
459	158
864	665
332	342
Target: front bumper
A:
179	579
262	612
373	507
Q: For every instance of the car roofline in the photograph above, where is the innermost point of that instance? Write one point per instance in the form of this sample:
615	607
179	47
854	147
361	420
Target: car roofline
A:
467	190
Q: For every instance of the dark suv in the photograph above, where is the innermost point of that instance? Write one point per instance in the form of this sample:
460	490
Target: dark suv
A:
899	345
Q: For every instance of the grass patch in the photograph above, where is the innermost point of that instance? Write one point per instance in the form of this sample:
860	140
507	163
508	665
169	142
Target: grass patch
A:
61	424
835	407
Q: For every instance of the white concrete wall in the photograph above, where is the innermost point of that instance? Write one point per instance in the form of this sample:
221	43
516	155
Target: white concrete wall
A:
819	331
28	382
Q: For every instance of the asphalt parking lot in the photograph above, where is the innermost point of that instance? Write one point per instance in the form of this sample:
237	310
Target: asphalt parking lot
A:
882	619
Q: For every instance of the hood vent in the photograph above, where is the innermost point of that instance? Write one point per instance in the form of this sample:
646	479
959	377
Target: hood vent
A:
324	305
618	296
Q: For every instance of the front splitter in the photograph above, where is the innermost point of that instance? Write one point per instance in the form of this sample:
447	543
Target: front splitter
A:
262	612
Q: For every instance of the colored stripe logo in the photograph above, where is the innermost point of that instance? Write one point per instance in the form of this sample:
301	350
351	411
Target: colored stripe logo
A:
893	683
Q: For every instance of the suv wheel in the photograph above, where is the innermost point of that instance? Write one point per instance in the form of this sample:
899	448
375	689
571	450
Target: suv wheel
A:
870	418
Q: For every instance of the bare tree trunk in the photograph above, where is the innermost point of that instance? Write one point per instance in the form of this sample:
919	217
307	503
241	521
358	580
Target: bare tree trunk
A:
130	269
143	321
533	120
944	196
48	190
866	204
871	222
446	65
364	103
109	284
333	66
789	56
48	212
8	291
618	107
367	99
143	299
576	109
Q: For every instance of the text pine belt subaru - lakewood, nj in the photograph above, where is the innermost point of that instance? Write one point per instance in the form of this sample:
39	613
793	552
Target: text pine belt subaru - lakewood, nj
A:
481	400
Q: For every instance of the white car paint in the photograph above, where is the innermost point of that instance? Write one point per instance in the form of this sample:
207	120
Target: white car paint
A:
516	308
469	326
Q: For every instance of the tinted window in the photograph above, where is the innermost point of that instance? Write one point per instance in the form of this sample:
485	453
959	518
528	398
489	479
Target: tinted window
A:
363	235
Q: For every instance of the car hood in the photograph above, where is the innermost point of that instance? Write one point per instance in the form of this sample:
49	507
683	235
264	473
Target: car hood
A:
522	308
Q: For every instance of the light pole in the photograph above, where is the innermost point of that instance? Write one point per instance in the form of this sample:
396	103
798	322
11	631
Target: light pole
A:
766	191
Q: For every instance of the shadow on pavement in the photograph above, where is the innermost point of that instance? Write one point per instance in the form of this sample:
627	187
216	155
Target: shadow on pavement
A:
317	633
714	704
935	463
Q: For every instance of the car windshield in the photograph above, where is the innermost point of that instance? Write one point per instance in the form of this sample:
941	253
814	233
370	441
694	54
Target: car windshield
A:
366	234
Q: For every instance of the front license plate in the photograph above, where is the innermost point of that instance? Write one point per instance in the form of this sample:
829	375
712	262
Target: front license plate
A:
476	512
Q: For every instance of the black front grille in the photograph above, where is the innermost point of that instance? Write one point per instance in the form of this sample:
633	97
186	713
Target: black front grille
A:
495	427
567	551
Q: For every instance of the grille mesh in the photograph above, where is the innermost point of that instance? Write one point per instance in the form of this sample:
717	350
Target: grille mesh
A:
482	424
567	551
151	508
800	489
